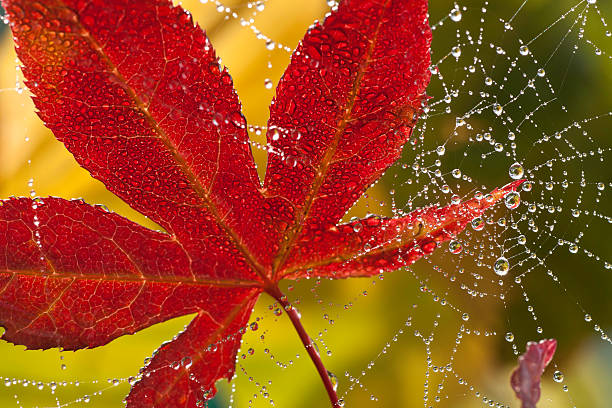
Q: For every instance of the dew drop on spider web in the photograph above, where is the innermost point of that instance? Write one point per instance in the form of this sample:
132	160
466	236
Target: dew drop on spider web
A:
501	266
512	200
333	379
478	224
455	247
516	171
456	51
455	15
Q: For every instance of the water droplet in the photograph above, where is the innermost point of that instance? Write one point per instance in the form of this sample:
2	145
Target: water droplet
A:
455	15
587	318
522	239
501	266
498	109
558	376
440	150
186	362
541	72
516	171
509	337
573	248
268	83
512	200
524	50
456	51
478	223
527	186
591	1
456	173
465	317
455	247
333	379
270	45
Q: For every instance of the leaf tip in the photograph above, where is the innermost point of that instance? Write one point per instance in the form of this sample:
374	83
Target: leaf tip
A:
526	378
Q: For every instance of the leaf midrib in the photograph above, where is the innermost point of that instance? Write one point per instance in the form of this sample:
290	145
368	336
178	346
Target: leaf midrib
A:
131	278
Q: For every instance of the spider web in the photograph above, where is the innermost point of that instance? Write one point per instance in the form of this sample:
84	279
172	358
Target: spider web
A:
519	89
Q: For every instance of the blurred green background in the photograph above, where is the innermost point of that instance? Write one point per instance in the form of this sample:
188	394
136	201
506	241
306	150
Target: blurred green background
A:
369	315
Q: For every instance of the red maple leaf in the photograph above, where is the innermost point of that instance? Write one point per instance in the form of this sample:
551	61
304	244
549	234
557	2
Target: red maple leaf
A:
135	91
526	377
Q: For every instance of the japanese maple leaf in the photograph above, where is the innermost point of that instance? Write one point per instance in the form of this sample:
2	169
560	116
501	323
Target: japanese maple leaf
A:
526	377
135	91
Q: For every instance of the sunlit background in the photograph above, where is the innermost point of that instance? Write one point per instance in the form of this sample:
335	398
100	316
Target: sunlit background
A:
377	330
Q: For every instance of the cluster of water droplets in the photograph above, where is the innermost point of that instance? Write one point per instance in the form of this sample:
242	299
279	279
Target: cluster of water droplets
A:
490	90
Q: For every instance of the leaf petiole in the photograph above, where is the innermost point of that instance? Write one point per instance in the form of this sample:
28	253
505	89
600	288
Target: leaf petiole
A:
295	318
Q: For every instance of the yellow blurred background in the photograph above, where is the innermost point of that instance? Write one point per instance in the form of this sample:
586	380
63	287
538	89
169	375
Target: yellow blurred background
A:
372	330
